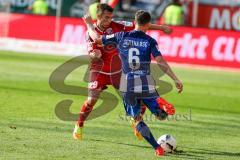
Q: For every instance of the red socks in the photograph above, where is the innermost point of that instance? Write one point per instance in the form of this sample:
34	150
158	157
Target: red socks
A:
85	111
143	109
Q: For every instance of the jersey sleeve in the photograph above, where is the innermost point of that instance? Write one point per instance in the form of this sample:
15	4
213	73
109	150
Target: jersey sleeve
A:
155	49
112	38
127	26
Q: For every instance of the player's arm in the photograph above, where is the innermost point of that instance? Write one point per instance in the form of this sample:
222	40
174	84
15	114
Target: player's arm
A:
93	52
166	29
167	69
90	28
128	26
98	40
163	65
106	39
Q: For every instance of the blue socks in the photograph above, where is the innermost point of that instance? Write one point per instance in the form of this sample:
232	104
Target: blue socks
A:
147	135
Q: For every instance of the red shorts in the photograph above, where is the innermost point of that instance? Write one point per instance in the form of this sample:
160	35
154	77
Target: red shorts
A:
99	81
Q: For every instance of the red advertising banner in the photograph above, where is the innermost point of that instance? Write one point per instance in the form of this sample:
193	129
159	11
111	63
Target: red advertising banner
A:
71	30
217	17
185	45
201	46
32	27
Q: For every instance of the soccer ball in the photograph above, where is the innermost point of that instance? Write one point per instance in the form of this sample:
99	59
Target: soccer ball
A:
167	142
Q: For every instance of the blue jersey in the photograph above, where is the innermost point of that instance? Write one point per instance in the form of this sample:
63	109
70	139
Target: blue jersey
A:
135	49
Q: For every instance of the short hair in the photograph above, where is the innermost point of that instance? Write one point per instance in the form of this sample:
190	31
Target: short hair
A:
101	7
142	17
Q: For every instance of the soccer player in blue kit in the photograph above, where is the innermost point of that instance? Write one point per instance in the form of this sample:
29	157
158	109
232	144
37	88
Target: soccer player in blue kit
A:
137	85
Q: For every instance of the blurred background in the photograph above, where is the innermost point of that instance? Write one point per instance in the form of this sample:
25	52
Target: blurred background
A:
206	32
206	36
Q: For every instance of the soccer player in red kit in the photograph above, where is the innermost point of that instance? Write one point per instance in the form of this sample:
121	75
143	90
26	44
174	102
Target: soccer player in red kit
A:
105	66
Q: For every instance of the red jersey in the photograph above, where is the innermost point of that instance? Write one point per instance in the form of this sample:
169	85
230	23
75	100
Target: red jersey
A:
109	63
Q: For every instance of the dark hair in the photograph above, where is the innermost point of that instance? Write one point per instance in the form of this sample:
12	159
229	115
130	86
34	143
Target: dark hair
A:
176	2
142	17
103	7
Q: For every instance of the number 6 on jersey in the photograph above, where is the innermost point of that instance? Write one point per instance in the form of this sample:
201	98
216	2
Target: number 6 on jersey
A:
133	59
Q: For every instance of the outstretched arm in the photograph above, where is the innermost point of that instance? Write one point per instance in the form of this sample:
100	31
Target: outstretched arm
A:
166	69
94	53
90	28
166	29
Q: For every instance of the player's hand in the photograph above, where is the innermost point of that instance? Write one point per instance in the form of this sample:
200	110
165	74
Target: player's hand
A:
179	85
87	18
167	30
95	54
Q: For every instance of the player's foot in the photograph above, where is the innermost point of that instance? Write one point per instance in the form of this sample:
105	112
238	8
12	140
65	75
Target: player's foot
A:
136	133
159	151
78	132
166	106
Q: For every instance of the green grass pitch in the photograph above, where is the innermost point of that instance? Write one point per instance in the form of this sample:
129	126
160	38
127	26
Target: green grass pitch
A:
29	128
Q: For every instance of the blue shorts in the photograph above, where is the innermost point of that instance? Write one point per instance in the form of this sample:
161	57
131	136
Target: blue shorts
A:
132	105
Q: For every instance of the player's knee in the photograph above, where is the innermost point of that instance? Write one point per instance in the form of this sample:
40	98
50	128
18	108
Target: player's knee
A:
138	119
91	101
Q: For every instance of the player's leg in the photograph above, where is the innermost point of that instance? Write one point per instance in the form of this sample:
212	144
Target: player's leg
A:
133	122
163	104
133	125
153	105
88	106
145	131
143	109
95	87
115	80
84	113
166	106
133	109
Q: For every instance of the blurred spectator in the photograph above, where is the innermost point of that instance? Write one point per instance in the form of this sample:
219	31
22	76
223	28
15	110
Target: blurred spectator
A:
80	7
126	9
39	7
173	14
19	6
148	5
4	6
93	10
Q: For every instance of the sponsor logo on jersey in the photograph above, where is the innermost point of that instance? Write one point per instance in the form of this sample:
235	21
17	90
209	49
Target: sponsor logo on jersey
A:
125	23
109	36
109	31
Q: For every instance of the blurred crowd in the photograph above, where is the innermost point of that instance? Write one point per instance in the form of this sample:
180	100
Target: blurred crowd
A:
173	12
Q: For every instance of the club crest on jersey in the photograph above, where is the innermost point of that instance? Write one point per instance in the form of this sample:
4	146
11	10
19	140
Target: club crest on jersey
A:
109	31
